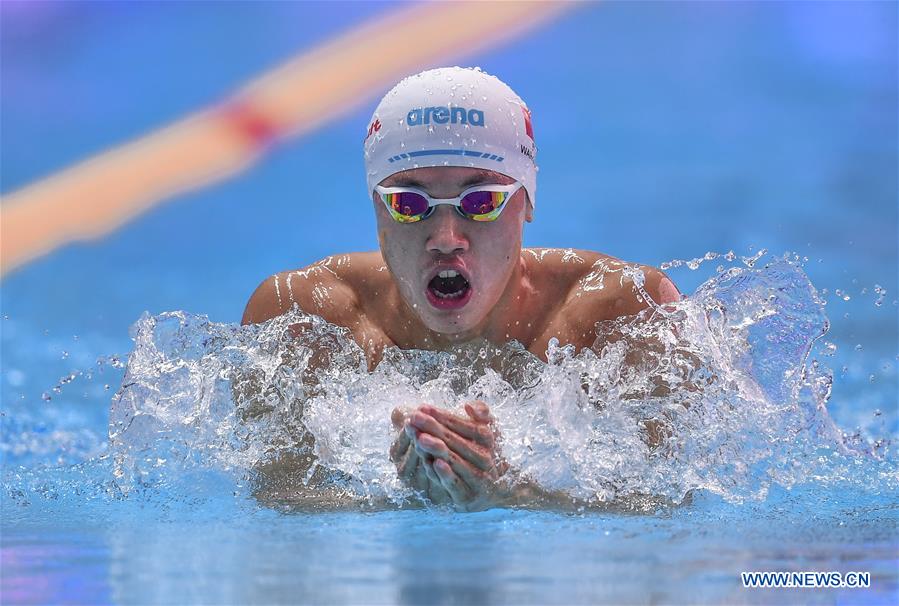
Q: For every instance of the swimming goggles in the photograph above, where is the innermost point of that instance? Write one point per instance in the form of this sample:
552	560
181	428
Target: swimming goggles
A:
478	203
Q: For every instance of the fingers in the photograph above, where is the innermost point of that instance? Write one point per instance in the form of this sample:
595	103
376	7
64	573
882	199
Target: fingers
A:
471	476
431	445
478	455
478	411
451	482
399	446
407	467
462	468
413	471
446	456
436	492
478	432
431	474
481	412
420	477
397	417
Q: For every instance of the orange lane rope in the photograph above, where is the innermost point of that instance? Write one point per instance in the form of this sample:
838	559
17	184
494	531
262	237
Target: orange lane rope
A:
99	195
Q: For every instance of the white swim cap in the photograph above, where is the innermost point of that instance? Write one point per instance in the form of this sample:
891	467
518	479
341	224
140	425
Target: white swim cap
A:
452	116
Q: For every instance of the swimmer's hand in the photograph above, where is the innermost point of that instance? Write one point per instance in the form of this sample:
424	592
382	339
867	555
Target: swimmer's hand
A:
455	460
460	455
410	461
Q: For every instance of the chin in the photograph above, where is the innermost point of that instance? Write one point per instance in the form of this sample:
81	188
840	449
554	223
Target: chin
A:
456	324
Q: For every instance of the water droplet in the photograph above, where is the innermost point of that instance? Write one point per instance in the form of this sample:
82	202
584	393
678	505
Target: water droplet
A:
881	294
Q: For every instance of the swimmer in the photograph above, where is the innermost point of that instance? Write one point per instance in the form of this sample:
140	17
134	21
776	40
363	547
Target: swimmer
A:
451	169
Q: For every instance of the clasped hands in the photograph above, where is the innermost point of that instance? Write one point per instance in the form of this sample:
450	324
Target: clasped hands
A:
449	458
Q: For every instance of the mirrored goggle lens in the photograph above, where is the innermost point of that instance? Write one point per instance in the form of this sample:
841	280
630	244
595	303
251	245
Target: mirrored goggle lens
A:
407	204
481	205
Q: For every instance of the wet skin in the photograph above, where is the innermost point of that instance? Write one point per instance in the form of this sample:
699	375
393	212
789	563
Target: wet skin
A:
527	295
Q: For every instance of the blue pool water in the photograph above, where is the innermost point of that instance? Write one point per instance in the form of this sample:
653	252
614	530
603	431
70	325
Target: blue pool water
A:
665	131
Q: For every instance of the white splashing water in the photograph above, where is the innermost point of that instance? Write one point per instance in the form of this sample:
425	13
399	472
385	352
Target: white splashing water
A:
723	379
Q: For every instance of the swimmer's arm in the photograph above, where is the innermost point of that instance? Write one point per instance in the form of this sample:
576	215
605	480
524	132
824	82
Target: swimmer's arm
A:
656	284
662	292
608	293
660	287
247	389
265	303
315	290
254	396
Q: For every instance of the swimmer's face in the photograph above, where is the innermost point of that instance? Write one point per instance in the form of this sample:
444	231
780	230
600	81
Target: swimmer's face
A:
483	254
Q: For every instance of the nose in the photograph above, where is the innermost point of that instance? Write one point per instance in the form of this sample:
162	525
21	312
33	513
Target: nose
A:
447	232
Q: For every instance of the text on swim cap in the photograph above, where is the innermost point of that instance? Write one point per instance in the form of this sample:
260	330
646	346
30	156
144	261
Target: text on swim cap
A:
443	115
374	127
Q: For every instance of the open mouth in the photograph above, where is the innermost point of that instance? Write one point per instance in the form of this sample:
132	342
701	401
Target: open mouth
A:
449	289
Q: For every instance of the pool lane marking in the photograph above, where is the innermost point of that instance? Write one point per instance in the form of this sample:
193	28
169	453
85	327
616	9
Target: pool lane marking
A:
99	195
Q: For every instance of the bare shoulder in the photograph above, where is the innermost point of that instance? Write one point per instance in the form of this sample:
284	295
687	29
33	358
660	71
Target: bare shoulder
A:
325	288
598	286
614	288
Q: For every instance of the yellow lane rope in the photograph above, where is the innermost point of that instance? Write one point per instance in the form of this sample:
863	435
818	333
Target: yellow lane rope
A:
99	195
